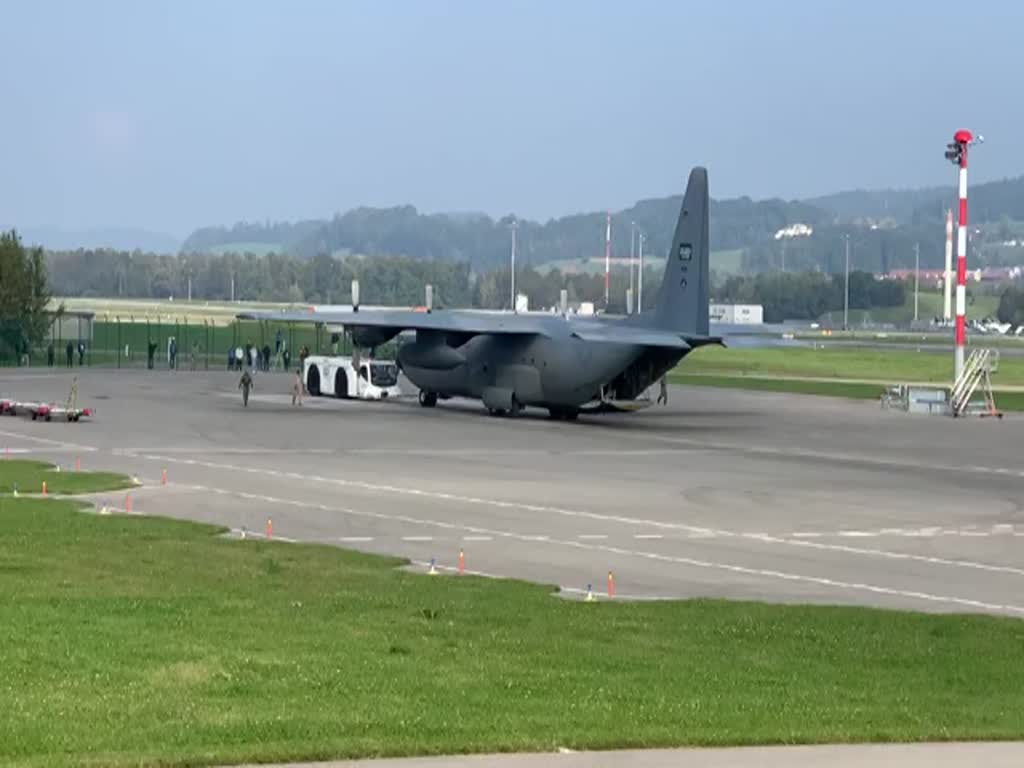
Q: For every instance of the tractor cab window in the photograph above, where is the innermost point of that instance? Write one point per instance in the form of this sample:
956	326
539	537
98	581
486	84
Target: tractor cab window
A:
362	371
384	374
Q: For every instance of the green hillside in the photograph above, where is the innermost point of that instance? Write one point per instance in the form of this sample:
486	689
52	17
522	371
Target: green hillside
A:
930	306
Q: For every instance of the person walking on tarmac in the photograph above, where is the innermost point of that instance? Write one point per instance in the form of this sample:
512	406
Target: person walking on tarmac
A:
663	394
297	388
245	384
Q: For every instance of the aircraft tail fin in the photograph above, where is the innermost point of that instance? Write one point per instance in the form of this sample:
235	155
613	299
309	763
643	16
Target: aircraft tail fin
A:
682	302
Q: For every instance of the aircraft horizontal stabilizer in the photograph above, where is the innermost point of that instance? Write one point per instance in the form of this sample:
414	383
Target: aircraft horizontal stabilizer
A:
624	334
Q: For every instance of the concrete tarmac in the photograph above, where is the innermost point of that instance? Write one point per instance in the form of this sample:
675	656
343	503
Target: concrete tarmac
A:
957	755
722	493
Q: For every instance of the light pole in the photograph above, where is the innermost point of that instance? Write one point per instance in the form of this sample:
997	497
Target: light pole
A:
917	275
640	276
846	286
632	262
515	226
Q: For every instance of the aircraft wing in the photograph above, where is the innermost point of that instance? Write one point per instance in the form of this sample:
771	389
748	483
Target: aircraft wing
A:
397	320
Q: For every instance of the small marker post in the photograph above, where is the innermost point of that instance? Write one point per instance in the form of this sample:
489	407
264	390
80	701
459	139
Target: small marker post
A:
163	477
127	502
243	533
462	562
590	594
15	490
78	464
611	585
270	529
44	488
433	568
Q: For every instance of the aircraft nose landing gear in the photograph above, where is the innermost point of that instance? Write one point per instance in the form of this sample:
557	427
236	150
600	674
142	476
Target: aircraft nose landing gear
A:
428	399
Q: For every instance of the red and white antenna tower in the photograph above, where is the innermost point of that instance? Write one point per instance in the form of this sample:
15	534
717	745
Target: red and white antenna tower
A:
956	153
607	255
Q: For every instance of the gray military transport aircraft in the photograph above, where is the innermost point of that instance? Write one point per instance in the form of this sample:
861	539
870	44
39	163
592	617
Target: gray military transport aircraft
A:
557	362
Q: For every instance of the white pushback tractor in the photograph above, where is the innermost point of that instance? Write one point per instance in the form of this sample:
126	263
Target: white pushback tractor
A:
338	377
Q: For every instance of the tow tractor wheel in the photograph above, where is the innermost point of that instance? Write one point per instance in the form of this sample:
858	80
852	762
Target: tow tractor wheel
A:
428	399
313	381
341	385
517	407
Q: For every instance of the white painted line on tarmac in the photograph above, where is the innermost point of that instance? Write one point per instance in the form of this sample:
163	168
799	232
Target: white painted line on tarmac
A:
769	574
592	536
354	539
647	536
478	538
846	549
63	444
591	515
843	458
450	497
806	534
417	538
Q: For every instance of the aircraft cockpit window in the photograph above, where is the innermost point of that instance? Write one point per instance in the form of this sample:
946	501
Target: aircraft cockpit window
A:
685	251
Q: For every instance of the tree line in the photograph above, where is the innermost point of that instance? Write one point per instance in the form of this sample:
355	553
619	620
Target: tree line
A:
400	281
24	296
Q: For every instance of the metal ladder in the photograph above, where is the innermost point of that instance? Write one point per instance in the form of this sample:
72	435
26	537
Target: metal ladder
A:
978	370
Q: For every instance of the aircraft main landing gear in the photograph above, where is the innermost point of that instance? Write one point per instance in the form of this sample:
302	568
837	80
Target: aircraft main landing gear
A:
428	399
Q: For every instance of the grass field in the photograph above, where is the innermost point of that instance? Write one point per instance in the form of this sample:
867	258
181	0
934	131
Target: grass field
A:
1005	401
29	477
886	366
931	305
132	640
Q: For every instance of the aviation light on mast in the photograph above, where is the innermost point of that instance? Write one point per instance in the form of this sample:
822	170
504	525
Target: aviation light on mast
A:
956	153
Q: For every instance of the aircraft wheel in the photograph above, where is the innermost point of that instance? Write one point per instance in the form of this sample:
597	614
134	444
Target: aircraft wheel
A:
428	399
570	414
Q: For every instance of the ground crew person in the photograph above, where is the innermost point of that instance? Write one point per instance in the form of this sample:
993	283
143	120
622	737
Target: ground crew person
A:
49	354
70	350
663	394
245	384
297	388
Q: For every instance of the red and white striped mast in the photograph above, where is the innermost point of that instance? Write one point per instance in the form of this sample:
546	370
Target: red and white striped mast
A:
957	154
607	255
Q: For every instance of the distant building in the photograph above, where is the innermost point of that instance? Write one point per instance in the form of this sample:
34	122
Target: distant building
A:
736	314
794	230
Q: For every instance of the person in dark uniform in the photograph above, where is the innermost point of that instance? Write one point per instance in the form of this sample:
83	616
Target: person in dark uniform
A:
663	394
49	354
70	349
150	354
245	384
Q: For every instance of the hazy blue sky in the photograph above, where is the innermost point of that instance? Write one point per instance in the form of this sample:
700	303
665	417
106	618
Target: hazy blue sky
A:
179	114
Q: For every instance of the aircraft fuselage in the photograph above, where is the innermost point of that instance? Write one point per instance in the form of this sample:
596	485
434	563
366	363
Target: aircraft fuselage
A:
553	371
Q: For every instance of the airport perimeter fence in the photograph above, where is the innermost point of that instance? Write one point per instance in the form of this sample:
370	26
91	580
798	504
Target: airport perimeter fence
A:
110	341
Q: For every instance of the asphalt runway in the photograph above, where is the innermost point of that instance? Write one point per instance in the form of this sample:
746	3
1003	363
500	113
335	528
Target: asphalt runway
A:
722	493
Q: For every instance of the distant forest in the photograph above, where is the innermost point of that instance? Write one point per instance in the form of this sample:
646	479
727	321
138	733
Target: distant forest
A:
884	227
400	281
